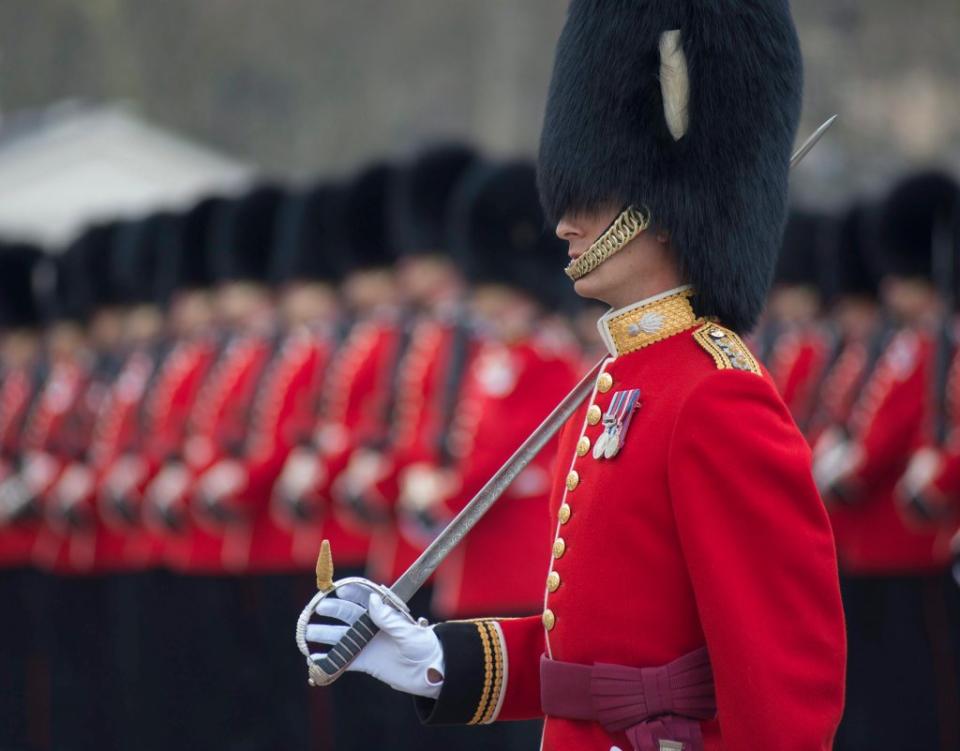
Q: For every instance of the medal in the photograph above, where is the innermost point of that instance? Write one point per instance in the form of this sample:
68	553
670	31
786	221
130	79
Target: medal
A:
616	422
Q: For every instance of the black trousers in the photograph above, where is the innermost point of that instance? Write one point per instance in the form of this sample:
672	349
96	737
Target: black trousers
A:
903	664
24	662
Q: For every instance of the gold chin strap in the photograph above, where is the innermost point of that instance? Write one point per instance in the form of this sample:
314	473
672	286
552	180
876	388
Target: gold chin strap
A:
627	226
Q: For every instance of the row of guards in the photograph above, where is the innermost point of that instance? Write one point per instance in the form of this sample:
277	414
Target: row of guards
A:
191	402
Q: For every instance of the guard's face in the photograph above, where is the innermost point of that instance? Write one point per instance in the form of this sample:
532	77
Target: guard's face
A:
643	268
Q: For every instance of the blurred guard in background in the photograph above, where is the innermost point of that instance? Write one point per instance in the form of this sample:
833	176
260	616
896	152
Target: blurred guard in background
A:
220	529
895	565
855	315
176	707
422	395
797	349
72	546
21	378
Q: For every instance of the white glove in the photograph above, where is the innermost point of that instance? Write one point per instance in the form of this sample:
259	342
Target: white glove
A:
406	656
223	481
302	472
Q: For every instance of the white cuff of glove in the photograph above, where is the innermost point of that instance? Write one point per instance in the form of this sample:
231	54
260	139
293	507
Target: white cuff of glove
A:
406	656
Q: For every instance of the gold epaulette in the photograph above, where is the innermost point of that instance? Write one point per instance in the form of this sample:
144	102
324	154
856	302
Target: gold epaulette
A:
726	348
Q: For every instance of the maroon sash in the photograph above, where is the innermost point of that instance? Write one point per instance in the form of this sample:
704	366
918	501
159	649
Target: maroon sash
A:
651	704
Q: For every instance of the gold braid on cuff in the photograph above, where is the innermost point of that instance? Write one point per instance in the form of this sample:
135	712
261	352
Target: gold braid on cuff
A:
625	227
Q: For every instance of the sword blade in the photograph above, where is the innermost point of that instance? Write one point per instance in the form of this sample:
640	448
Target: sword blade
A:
421	569
812	141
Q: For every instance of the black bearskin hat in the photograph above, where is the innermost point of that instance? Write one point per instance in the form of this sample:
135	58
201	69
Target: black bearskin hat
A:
707	153
305	243
19	304
244	235
854	270
64	292
364	232
421	197
498	233
916	217
189	263
141	246
94	261
802	250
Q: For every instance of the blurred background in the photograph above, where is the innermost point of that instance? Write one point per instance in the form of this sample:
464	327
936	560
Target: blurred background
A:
296	87
120	119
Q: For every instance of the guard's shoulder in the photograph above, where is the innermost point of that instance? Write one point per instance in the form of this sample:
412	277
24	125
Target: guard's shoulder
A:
726	348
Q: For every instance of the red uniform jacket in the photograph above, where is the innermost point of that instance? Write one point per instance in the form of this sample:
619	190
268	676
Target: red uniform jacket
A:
171	400
428	385
839	390
938	485
83	548
17	391
121	543
508	391
217	427
887	425
704	530
796	364
287	394
353	406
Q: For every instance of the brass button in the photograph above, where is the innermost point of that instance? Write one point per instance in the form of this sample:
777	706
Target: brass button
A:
593	415
553	582
549	619
583	446
573	479
559	548
604	383
564	513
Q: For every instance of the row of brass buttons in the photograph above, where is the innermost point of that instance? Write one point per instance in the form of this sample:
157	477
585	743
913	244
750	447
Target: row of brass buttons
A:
594	414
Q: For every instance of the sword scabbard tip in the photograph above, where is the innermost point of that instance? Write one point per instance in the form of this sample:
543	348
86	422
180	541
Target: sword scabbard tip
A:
325	568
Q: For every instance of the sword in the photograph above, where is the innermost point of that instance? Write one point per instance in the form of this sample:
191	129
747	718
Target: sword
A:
326	669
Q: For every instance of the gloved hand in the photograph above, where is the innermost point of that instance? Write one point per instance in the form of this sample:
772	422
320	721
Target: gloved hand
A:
406	656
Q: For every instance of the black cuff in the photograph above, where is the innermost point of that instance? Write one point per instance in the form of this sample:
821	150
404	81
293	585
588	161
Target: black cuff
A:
473	675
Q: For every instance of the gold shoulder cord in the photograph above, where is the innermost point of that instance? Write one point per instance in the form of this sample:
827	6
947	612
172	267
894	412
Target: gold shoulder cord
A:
726	348
625	227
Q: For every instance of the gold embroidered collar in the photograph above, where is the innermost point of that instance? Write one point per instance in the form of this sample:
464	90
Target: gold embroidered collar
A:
648	321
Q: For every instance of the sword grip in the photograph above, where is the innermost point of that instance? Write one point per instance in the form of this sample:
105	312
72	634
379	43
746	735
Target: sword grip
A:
350	645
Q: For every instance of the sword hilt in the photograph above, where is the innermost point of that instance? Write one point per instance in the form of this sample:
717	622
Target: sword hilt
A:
345	651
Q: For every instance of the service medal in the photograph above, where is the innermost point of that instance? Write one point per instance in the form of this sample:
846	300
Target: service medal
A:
616	422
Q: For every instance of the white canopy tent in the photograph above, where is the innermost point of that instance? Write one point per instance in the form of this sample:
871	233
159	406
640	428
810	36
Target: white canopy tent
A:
71	165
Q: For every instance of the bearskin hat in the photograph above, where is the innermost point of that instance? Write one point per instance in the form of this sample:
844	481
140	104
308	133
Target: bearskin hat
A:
363	235
853	269
498	233
421	194
141	244
687	109
800	262
305	238
19	303
244	234
188	262
917	218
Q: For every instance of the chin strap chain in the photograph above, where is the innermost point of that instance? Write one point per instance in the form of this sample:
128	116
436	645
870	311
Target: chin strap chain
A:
625	227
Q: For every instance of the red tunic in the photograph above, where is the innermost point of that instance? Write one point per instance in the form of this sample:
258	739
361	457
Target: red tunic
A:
288	392
428	385
796	366
353	407
217	426
874	534
507	393
17	390
169	404
704	530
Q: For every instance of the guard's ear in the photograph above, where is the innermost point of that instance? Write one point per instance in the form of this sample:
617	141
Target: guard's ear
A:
674	83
